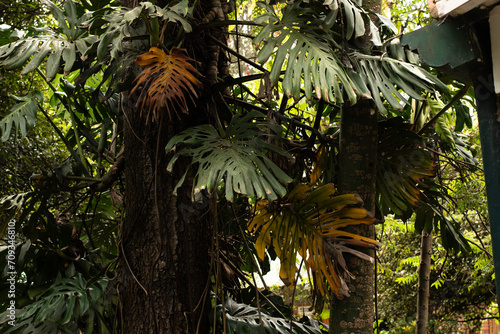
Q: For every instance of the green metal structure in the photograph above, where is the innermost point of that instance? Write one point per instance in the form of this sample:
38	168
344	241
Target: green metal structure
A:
461	48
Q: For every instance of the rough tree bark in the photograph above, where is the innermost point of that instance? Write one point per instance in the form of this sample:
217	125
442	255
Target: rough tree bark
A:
424	272
357	174
165	238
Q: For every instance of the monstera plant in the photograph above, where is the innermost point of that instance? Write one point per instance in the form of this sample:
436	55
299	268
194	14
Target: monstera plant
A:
172	150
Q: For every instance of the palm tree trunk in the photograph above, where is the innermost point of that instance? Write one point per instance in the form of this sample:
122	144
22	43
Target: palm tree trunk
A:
357	174
424	271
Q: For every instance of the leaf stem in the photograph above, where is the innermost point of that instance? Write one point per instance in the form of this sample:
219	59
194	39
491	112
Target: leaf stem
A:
81	178
59	133
73	121
454	100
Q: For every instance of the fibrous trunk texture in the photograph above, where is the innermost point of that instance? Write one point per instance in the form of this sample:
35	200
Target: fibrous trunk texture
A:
163	272
357	174
165	238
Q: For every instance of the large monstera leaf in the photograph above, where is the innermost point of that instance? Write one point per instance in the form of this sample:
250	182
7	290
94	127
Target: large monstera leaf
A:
165	81
304	54
21	116
59	308
234	159
403	163
309	222
320	50
385	76
243	318
60	48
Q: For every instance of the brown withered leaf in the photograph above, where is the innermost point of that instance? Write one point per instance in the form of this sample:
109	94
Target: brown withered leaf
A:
167	80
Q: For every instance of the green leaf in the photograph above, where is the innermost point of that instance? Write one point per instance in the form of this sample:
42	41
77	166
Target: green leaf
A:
102	48
69	57
237	157
133	14
59	16
387	22
385	77
312	61
14	55
242	318
304	55
57	305
70	308
53	61
68	20
22	115
40	54
444	131
10	208
178	13
462	116
402	163
71	15
451	236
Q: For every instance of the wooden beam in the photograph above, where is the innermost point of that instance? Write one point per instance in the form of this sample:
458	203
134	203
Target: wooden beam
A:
459	7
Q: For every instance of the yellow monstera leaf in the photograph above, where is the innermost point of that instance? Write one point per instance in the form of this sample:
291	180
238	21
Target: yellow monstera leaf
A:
309	222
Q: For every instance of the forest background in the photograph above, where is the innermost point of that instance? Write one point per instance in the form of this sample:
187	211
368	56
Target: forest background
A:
61	143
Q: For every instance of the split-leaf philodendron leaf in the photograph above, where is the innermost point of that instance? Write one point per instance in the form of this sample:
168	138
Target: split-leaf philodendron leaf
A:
309	222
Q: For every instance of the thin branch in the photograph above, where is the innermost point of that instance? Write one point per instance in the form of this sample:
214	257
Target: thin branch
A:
73	120
225	23
454	100
130	269
236	54
254	264
455	160
293	294
481	248
59	133
321	138
317	121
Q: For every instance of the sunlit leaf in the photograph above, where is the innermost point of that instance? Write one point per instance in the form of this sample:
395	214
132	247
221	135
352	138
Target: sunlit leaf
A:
58	45
21	116
309	223
304	43
303	55
385	77
166	81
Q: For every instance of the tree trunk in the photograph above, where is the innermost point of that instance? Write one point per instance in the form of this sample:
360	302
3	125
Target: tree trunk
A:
424	271
165	238
374	5
357	174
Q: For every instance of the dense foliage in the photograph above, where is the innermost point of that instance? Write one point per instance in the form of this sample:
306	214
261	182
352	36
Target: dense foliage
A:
267	156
